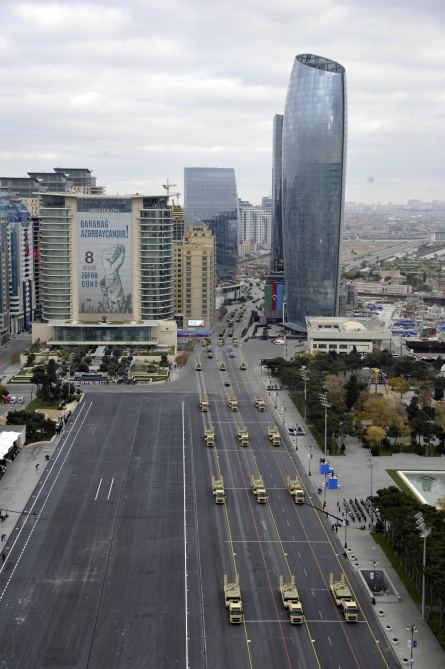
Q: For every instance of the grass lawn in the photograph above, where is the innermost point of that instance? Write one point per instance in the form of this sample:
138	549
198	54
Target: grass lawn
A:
40	404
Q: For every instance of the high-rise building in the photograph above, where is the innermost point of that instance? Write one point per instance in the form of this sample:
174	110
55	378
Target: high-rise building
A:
195	284
210	197
178	223
106	269
276	250
255	224
313	172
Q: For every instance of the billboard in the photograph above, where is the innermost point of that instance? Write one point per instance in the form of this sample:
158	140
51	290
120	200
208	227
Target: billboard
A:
195	324
104	261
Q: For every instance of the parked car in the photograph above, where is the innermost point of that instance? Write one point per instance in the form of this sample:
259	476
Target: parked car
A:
20	399
296	430
278	341
12	400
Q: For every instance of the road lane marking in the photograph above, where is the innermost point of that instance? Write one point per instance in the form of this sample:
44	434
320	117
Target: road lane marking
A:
98	488
111	485
187	665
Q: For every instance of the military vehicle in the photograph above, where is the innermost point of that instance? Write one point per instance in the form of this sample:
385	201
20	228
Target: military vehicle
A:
259	490
260	403
291	600
204	403
233	601
296	490
218	490
343	598
222	367
274	435
243	366
209	436
243	436
233	403
198	366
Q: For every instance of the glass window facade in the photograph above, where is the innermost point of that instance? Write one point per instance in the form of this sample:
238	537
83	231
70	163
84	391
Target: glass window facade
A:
276	251
210	197
313	171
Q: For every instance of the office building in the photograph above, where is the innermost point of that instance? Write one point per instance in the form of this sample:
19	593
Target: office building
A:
344	335
195	280
276	250
313	174
254	224
106	270
210	197
178	222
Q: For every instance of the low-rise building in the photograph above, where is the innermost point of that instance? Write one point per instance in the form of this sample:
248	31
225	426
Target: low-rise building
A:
344	335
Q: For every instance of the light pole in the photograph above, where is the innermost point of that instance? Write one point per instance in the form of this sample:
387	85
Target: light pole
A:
345	525
412	643
276	400
424	533
372	574
370	463
324	403
310	458
305	376
284	412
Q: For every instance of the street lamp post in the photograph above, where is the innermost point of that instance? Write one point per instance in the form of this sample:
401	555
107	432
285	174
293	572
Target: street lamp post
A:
284	412
276	400
310	458
324	403
305	376
372	574
411	642
424	533
370	464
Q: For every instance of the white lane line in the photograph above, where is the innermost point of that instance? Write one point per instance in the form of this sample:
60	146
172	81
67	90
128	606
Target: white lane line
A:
45	500
320	614
329	639
98	488
111	485
187	665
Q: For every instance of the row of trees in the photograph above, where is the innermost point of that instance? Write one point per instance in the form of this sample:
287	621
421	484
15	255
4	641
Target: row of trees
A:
398	510
383	422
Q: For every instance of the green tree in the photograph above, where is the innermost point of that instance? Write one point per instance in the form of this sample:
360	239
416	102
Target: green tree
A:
37	427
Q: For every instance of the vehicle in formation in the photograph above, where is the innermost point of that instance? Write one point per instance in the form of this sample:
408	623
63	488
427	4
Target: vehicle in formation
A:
343	598
274	435
198	366
209	353
209	436
259	489
243	366
291	600
222	367
296	489
232	600
218	490
227	381
233	403
260	403
243	436
204	403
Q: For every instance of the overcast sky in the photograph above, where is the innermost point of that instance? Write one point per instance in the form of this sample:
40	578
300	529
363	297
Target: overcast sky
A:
137	90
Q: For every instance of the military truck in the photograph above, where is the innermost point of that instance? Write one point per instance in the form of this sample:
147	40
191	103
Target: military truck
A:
222	367
259	490
198	366
232	599
209	353
235	341
291	600
243	366
296	490
209	436
274	435
343	598
218	490
260	403
204	403
243	436
233	403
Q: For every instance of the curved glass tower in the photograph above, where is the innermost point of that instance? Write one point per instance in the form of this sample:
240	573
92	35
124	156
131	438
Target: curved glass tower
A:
314	157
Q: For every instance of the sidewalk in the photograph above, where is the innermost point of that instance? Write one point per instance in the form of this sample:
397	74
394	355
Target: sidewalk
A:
394	613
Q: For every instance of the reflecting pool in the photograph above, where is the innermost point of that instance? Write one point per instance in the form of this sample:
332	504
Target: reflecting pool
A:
428	486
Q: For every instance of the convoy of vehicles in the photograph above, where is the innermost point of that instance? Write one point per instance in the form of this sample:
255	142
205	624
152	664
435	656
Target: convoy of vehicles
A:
209	436
243	366
260	403
243	436
343	598
291	600
232	599
204	403
296	489
198	366
233	403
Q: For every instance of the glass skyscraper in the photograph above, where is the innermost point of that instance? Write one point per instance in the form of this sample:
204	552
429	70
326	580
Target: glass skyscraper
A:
210	197
276	251
313	164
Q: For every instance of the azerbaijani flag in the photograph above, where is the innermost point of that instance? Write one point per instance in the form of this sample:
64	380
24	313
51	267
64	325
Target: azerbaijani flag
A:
274	296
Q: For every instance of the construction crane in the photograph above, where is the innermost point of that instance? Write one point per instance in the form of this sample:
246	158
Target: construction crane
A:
167	187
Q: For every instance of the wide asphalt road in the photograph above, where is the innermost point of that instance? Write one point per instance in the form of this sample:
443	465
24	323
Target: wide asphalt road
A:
122	563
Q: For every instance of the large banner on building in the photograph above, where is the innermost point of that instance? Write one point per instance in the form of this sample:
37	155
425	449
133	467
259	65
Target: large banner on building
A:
274	293
105	264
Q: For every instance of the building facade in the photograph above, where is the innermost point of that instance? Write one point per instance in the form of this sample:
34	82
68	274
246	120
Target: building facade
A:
195	278
313	174
344	335
210	197
255	225
276	251
106	268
